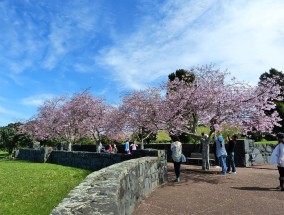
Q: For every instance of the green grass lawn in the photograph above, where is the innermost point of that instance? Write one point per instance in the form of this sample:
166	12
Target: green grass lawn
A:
266	142
3	154
35	188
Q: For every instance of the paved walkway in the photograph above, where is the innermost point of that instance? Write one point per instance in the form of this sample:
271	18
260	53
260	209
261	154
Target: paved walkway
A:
250	191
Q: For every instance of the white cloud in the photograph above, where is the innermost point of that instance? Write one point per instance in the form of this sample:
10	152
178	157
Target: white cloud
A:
9	116
36	100
243	36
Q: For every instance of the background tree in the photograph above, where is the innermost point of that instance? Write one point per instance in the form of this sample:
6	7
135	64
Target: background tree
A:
71	119
186	78
12	139
278	76
141	110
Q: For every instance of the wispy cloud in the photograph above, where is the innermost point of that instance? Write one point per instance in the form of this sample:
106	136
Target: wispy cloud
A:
36	100
243	36
9	116
37	34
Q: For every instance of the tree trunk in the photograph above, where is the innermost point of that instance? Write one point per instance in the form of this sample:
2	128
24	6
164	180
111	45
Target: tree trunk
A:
142	144
69	149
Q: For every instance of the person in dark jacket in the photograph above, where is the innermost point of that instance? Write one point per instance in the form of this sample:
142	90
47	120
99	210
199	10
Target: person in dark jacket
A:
231	154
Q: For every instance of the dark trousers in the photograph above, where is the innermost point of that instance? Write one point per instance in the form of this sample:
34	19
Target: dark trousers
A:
281	172
231	162
281	178
177	168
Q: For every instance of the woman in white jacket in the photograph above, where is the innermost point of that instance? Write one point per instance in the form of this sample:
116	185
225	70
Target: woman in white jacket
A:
176	149
277	157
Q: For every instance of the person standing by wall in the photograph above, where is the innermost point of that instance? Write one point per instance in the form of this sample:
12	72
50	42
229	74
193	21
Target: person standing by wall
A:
221	151
214	149
133	146
231	154
205	152
176	148
109	150
114	149
126	147
277	157
100	147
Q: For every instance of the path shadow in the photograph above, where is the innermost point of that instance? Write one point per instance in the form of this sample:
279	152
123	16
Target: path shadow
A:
256	188
195	176
267	168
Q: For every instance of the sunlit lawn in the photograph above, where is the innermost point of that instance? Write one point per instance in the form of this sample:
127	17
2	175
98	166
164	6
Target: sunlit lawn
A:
3	154
35	188
266	142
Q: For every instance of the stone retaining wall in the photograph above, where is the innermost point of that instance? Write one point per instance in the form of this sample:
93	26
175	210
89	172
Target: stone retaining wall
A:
84	160
117	189
258	153
39	155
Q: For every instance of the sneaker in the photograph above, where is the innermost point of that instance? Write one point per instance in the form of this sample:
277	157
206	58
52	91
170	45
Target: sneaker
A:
216	166
177	179
233	173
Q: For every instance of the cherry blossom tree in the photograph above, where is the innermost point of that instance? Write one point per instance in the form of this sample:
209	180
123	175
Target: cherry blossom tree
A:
45	124
72	118
214	100
141	110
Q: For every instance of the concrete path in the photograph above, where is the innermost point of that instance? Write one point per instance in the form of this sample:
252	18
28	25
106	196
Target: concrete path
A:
250	191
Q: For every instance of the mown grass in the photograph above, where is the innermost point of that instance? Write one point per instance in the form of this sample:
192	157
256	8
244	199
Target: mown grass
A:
3	154
266	142
35	188
163	137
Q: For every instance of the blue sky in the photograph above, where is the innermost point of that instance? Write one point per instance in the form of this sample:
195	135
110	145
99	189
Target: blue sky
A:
50	48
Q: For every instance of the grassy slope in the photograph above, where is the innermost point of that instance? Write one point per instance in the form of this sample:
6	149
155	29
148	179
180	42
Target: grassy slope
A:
35	188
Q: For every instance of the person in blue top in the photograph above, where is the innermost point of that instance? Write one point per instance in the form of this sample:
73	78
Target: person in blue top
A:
126	147
221	151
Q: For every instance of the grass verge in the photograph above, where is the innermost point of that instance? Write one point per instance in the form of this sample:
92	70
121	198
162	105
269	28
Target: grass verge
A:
35	188
266	142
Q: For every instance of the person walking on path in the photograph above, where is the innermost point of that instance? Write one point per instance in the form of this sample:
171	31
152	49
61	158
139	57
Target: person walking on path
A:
205	152
277	157
176	149
231	154
221	151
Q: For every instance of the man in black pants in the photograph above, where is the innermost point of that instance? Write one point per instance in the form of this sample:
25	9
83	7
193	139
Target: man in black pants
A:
231	154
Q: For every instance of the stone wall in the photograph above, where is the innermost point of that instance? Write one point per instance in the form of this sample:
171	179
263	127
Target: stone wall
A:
117	189
39	155
246	152
258	153
86	160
